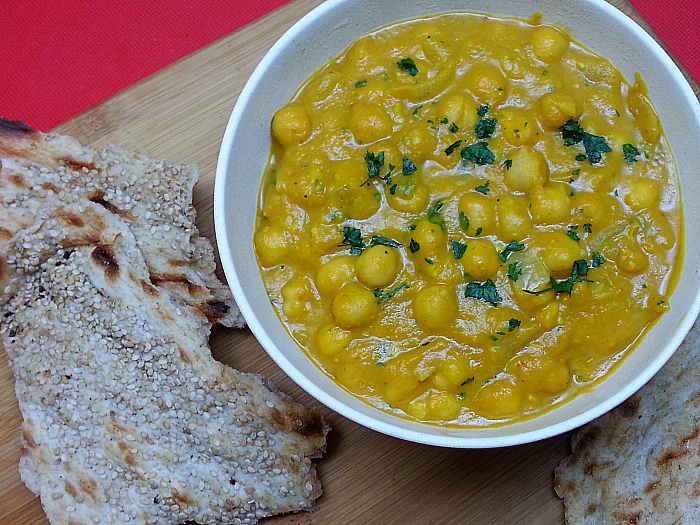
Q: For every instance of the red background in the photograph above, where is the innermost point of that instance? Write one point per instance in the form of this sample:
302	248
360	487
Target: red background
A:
61	57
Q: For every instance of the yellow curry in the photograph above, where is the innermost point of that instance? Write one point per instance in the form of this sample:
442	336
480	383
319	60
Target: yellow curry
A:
466	220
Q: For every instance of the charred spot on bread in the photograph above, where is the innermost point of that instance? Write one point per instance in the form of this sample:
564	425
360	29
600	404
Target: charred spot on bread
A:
103	256
214	309
309	424
98	197
76	165
15	127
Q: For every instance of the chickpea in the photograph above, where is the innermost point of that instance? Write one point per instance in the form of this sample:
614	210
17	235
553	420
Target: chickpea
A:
417	408
460	109
330	339
452	372
487	83
630	258
291	125
442	406
541	372
354	306
550	204
557	108
481	259
513	218
365	203
325	236
558	252
549	44
334	274
271	245
528	170
378	266
418	142
409	197
548	317
430	237
643	193
435	306
399	387
296	297
369	122
588	207
498	399
517	126
480	211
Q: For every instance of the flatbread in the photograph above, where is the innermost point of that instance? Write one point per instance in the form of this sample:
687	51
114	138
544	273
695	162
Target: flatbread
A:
127	417
640	463
154	198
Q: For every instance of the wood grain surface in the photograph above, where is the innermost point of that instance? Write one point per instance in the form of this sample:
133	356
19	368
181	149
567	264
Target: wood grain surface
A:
180	113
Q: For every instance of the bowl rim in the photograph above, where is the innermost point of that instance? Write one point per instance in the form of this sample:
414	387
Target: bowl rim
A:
240	295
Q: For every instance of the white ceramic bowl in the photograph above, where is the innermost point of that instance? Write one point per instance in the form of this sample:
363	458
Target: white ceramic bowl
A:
324	33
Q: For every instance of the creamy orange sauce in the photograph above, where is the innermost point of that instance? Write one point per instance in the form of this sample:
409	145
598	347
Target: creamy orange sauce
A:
466	220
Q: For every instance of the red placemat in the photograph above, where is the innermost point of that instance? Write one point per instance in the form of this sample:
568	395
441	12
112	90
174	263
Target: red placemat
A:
61	57
677	22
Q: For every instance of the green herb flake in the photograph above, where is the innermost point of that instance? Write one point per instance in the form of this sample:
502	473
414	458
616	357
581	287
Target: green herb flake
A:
571	194
352	237
597	259
467	381
449	149
380	364
587	227
453	127
392	189
493	338
378	292
514	272
482	110
361	83
444	121
429	261
545	72
486	291
384	242
434	214
578	273
461	395
478	153
500	333
374	164
484	188
478	231
413	246
408	65
576	171
508	163
415	111
392	293
458	249
573	235
513	324
485	128
463	221
378	196
408	167
430	122
513	246
660	303
593	144
630	153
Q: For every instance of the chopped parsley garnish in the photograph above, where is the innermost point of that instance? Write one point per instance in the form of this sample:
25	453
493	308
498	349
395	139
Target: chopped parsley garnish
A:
378	292
408	65
415	111
630	153
453	127
593	144
572	234
458	248
352	237
462	395
360	84
545	72
508	163
500	333
467	381
478	153
378	196
463	221
486	291
434	214
444	121
513	246
413	246
514	272
588	227
384	242
576	171
484	188
482	110
449	149
513	324
485	128
408	167
374	164
660	303
478	231
429	261
493	338
597	259
380	364
392	293
578	272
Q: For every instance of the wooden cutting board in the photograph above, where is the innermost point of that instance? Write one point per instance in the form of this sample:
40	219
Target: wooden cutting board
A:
180	113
